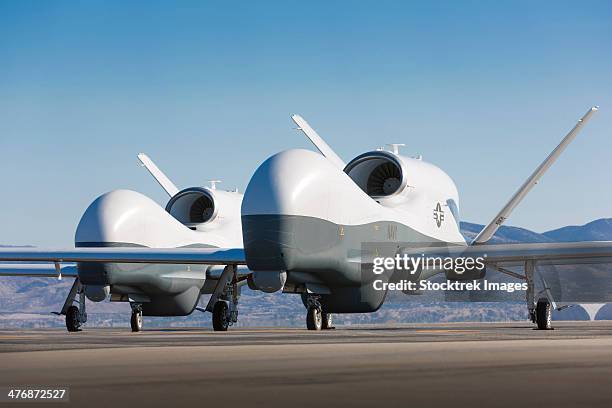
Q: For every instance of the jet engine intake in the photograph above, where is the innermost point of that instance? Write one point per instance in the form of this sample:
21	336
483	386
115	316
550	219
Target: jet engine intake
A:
193	206
378	173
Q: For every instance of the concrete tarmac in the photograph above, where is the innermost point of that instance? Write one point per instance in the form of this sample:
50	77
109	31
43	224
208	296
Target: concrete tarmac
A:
422	365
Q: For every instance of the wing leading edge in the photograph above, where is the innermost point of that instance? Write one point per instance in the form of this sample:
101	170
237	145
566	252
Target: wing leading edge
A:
203	256
587	251
38	270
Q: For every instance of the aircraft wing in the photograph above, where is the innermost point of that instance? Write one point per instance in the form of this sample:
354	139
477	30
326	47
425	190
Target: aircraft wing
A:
203	256
581	271
38	270
516	254
489	230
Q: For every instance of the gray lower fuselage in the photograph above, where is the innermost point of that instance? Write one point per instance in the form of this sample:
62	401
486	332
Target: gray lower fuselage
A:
320	253
162	289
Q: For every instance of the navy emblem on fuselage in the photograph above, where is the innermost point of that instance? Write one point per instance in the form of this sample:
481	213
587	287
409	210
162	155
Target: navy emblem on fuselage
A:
438	214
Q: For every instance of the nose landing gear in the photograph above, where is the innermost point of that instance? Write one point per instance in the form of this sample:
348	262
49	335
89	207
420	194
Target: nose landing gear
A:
327	321
316	318
136	320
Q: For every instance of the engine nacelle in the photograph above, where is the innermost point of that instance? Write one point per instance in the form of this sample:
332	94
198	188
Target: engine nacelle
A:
396	181
193	206
379	174
199	207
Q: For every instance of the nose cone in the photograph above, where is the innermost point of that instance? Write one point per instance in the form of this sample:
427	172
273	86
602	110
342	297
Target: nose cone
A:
125	218
284	204
292	182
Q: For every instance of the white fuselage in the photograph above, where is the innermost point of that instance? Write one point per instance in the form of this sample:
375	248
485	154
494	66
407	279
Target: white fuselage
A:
304	183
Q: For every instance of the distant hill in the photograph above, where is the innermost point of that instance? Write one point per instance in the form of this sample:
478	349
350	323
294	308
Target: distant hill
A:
504	234
598	230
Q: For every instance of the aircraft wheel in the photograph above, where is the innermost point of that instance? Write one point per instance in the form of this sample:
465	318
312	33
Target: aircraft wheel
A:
314	319
72	319
136	320
220	317
327	321
543	315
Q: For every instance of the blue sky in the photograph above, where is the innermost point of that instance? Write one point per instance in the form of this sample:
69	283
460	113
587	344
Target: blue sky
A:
483	89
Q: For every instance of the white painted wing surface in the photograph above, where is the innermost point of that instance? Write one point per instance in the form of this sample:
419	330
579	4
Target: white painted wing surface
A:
202	256
585	251
37	270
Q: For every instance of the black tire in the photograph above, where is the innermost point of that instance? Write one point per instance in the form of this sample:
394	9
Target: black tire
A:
314	320
136	321
543	314
219	319
327	321
72	319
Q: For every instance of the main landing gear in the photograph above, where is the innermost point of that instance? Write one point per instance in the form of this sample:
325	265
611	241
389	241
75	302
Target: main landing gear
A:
543	314
73	321
76	316
223	302
540	312
221	318
316	319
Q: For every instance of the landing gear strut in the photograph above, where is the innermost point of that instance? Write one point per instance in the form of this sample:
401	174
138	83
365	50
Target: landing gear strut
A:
76	316
540	312
136	319
224	301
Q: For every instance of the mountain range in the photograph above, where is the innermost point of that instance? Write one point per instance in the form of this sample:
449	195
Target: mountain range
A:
598	230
